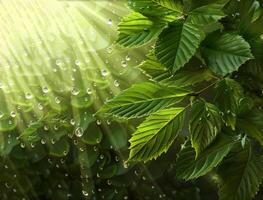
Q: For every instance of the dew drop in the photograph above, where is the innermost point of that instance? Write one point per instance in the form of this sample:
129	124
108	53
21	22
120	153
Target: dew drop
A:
45	89
28	95
79	132
13	114
116	83
57	100
124	63
22	145
104	72
128	58
98	122
89	91
109	22
40	106
85	193
74	91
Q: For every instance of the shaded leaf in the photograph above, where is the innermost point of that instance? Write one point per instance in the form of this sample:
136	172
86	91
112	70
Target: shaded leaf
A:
190	167
241	174
205	124
225	53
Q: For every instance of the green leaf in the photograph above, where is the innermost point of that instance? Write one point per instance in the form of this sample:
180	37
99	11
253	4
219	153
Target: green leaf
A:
205	124
228	96
206	14
134	23
187	76
190	167
170	4
252	124
92	135
241	174
60	148
136	30
154	69
156	134
177	44
225	53
143	99
167	10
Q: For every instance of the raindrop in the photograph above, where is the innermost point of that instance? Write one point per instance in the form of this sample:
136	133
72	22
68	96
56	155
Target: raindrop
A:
79	132
109	50
89	91
109	182
110	22
57	100
74	91
104	72
46	128
98	122
28	95
22	145
124	63
72	122
40	106
128	58
43	141
116	83
32	145
125	165
13	114
85	193
45	89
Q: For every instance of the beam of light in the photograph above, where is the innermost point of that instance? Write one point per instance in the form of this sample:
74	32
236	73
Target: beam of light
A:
58	63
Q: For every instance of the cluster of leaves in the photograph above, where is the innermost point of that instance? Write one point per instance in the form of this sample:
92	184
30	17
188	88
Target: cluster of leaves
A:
205	84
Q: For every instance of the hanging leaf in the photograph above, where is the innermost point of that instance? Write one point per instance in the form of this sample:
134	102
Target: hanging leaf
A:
156	134
205	124
60	148
177	44
228	97
241	174
251	123
190	167
225	53
206	14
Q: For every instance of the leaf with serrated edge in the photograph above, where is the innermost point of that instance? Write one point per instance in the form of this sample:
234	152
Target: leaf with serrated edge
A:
225	53
240	175
205	124
188	167
142	99
156	134
177	44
